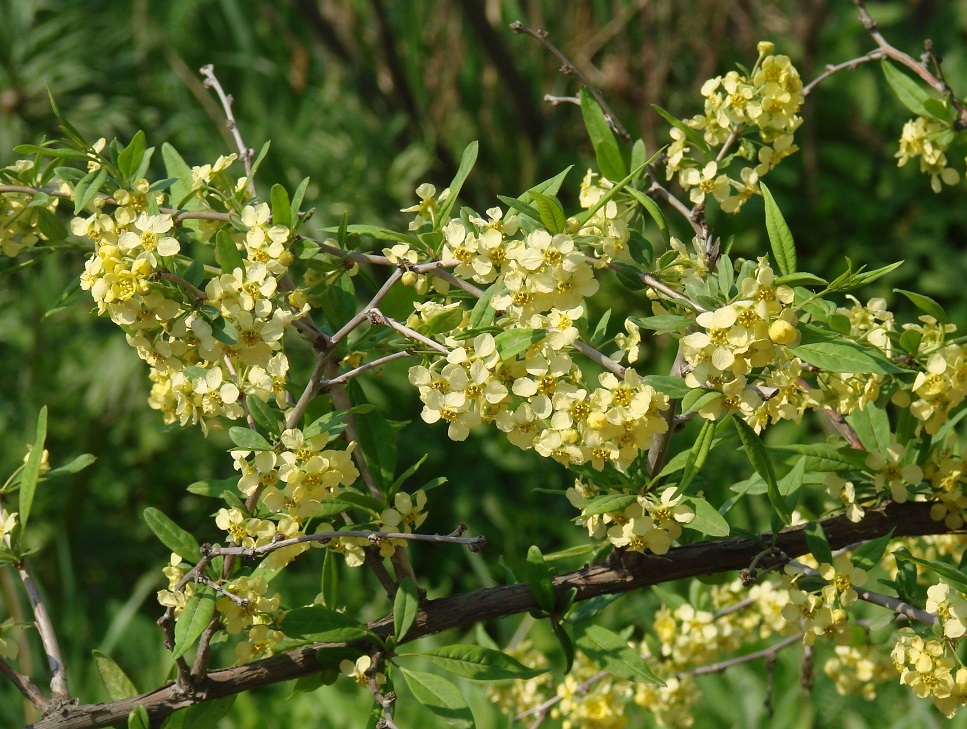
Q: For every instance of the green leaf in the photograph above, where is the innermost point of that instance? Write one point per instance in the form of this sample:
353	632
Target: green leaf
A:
793	481
642	251
264	415
466	165
405	607
780	237
248	439
521	207
482	314
74	466
872	426
512	342
694	138
868	555
208	713
56	152
281	211
138	718
818	543
378	442
698	398
551	212
130	158
224	331
696	455
800	278
759	458
88	187
31	471
610	162
172	536
608	503
229	257
864	278
439	696
478	663
539	578
925	304
670	385
446	321
323	625
822	457
907	91
374	231
707	519
613	654
653	210
827	352
115	680
192	622
956	578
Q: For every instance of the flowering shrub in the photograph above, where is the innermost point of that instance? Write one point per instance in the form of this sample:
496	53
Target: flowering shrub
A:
214	287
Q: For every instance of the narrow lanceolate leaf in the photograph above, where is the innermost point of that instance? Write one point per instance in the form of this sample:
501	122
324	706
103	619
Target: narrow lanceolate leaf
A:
708	520
827	351
868	555
207	714
872	426
479	664
759	458
607	503
463	172
172	536
697	455
606	150
192	622
31	472
281	210
539	579
780	237
138	718
512	342
439	696
551	212
227	252
818	543
925	304
954	577
613	654
248	439
115	680
87	188
907	91
322	624
405	607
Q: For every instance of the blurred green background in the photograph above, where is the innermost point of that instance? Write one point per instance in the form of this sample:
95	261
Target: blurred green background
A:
369	98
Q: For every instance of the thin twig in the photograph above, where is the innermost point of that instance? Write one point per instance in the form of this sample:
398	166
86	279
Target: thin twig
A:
25	686
378	317
569	67
853	63
347	376
747	658
244	152
474	544
363	314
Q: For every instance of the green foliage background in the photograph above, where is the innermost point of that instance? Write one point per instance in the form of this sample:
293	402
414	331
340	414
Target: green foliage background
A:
370	98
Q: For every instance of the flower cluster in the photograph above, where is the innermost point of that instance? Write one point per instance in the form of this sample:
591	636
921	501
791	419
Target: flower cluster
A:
765	101
755	332
650	523
930	668
538	399
928	139
20	213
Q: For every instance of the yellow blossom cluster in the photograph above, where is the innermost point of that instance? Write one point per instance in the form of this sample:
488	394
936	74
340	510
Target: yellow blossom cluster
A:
765	101
20	213
538	399
857	669
945	471
652	522
756	331
844	392
292	483
607	228
930	668
822	615
927	139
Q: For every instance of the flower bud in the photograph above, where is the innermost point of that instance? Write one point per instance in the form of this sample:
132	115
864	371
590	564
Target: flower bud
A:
765	48
782	332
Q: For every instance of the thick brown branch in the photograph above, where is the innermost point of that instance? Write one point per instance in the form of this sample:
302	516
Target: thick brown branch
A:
633	572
